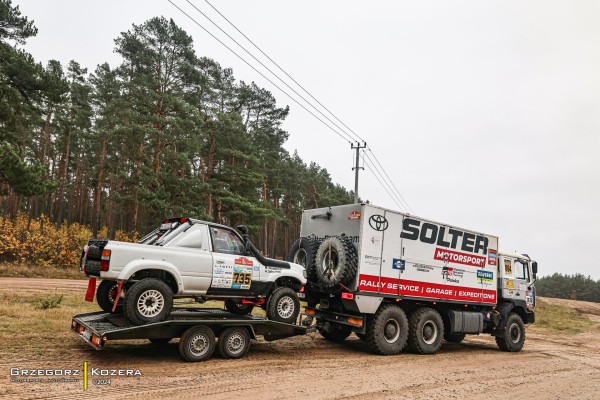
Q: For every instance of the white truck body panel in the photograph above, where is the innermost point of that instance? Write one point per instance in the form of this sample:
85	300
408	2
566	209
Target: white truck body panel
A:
402	255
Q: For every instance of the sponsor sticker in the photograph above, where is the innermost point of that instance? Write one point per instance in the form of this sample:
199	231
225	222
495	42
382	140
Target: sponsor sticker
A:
451	274
354	216
507	267
398	264
492	255
485	276
372	260
423	267
456	257
243	261
510	284
378	222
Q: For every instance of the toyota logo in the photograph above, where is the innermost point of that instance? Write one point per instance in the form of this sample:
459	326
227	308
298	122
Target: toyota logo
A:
378	222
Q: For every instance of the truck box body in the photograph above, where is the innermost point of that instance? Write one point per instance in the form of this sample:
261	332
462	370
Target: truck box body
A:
405	256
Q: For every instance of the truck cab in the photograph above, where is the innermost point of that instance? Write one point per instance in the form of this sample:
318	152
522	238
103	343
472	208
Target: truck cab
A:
516	277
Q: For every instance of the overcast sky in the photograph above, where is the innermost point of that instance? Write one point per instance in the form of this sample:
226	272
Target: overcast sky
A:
486	115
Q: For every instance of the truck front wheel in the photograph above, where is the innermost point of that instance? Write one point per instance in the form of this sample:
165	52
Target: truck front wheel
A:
514	334
426	330
106	296
387	331
283	305
147	301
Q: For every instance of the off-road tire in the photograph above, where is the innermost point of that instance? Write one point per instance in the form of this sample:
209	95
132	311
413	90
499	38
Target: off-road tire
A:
160	341
425	331
283	305
153	291
514	334
106	294
234	342
453	337
336	334
387	330
304	252
336	261
197	344
238	308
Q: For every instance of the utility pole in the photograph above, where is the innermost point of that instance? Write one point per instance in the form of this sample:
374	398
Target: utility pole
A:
357	166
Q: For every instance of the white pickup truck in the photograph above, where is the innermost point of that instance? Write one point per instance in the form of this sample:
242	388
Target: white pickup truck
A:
189	258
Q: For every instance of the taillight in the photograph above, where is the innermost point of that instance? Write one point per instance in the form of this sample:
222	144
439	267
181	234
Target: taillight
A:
105	260
347	295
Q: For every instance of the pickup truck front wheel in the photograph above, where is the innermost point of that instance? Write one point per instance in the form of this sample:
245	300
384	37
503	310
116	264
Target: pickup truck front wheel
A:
283	305
147	301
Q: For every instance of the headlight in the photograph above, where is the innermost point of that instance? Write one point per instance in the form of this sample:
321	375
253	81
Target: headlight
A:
305	274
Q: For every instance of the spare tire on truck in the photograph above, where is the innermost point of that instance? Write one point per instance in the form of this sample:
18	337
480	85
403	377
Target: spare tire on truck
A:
304	252
336	261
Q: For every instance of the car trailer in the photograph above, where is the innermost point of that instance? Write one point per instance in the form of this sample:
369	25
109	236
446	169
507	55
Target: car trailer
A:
197	328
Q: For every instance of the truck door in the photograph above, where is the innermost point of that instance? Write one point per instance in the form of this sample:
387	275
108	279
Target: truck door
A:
233	274
515	279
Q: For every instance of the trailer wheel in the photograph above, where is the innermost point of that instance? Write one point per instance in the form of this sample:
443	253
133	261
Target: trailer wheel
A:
234	342
238	308
387	330
147	301
106	296
454	337
335	334
426	330
336	261
514	334
283	305
304	252
160	341
197	344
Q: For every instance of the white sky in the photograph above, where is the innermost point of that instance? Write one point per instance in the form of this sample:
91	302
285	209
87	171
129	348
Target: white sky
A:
485	114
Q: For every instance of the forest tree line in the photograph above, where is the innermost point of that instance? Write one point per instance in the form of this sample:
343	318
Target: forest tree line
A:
165	133
574	287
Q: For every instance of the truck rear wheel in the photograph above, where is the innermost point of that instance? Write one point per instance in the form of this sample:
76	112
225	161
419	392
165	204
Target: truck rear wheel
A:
238	308
336	334
147	301
514	334
106	296
426	330
304	252
234	342
197	344
387	330
336	261
283	305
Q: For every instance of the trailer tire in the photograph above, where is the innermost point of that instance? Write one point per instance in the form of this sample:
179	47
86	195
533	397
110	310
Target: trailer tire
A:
238	308
387	330
454	337
426	330
336	261
106	294
149	300
197	344
283	305
160	341
336	334
304	252
513	338
234	342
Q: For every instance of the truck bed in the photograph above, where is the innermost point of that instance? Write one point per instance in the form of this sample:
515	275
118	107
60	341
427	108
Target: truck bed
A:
98	327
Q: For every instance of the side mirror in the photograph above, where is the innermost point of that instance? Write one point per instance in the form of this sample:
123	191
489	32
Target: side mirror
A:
534	269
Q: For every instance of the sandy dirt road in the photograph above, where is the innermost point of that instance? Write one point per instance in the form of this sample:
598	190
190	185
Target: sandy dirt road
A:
551	366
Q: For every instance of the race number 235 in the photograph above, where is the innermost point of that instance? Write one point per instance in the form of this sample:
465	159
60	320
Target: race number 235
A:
242	278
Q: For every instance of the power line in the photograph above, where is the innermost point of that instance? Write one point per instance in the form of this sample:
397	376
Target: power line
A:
268	69
386	185
391	181
381	183
282	70
257	71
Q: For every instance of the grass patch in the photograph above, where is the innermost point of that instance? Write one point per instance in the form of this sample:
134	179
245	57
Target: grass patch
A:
560	318
49	301
36	271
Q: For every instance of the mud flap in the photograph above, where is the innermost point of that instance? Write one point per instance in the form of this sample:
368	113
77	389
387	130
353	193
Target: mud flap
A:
91	290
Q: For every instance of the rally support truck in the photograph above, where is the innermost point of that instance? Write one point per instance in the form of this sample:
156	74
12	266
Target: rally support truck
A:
189	258
400	281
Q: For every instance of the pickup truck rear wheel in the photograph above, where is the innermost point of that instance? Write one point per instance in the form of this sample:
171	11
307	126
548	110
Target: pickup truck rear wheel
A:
197	344
426	330
387	330
514	334
149	300
106	296
234	342
283	305
238	308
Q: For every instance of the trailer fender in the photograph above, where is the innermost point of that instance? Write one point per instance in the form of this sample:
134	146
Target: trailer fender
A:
139	265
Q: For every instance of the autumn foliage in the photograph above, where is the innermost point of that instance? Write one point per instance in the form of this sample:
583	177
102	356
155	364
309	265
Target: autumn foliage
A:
41	242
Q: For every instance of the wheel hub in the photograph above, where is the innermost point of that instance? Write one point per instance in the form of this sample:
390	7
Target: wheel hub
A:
151	303
235	343
285	307
430	332
199	345
515	333
391	331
